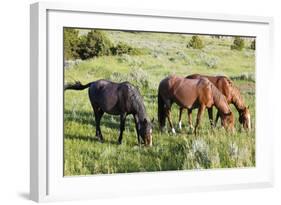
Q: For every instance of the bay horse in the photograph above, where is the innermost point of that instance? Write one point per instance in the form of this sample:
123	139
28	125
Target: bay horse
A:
117	99
191	94
233	96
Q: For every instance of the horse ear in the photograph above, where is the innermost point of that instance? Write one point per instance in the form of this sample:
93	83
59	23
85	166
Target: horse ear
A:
248	107
152	120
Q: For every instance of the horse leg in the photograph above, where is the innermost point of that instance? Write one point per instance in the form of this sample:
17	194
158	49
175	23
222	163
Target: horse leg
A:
189	114
170	121
122	127
210	113
181	109
199	116
137	128
217	118
98	114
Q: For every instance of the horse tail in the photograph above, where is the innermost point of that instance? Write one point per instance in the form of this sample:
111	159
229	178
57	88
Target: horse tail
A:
76	86
161	111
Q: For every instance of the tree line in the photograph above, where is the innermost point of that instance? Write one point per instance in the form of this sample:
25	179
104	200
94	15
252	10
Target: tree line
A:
94	44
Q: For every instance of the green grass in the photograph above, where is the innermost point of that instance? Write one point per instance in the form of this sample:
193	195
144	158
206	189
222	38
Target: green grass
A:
167	53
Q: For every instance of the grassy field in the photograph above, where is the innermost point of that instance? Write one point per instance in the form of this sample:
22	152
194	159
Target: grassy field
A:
165	54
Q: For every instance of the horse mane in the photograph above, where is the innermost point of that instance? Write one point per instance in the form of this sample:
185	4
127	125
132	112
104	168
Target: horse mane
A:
136	100
219	98
237	98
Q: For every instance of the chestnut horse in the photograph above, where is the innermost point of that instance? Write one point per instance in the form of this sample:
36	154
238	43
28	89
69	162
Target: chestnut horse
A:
233	96
191	94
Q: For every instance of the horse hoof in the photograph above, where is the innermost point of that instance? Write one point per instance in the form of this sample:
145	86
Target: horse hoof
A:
101	140
173	131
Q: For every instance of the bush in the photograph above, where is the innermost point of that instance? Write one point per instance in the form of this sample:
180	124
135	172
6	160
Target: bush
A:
70	43
94	44
123	48
195	43
209	61
238	44
244	76
253	44
136	76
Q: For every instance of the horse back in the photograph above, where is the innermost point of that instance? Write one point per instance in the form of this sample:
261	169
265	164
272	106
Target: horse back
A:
223	84
181	91
103	95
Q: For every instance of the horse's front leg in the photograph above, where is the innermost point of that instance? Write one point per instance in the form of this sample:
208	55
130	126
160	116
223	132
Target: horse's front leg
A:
122	127
137	128
170	121
217	119
199	116
180	113
210	114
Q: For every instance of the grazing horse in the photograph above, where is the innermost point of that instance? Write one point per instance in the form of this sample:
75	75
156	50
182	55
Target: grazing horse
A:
117	99
233	96
191	94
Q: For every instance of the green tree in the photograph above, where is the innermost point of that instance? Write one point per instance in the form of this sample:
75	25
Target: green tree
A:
70	43
96	43
253	44
238	43
123	48
195	43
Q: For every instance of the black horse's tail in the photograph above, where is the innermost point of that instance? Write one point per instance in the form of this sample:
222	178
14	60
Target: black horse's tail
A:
161	112
76	86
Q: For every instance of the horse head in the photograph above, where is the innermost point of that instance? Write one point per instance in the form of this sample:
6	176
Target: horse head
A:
228	121
146	132
245	118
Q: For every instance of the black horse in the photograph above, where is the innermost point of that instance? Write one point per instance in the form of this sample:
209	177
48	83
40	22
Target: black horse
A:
117	99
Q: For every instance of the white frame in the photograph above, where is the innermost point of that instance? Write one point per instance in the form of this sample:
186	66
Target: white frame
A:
40	112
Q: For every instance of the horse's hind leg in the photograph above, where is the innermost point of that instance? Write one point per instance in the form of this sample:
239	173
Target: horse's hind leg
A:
199	116
122	127
98	114
180	113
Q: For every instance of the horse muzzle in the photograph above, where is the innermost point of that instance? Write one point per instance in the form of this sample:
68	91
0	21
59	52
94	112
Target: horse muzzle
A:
148	141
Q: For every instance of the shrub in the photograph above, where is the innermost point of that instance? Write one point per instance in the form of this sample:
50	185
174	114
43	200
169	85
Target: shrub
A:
212	62
198	156
238	44
253	44
70	43
136	76
96	43
244	76
123	48
209	61
195	43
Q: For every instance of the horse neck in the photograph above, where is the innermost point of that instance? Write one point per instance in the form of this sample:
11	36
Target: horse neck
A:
220	101
139	107
141	114
237	100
